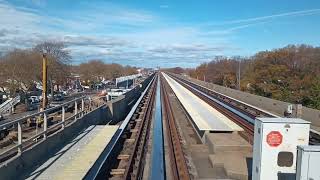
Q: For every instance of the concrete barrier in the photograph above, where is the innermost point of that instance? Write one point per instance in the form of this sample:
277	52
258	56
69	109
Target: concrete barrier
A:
268	104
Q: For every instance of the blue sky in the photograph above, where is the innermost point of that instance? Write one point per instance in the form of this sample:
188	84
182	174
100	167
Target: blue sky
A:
159	33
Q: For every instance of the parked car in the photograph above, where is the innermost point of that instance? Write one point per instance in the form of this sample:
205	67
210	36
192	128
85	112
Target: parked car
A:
32	106
33	103
34	99
58	97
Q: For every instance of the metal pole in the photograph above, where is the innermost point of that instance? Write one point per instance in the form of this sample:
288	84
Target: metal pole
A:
63	116
82	107
45	125
44	81
37	122
19	138
75	109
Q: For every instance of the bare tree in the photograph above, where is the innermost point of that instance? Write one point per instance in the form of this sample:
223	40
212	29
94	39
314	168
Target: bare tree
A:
56	50
95	70
58	61
20	69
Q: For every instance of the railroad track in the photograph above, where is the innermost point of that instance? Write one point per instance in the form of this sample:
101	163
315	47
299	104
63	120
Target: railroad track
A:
129	159
241	113
177	159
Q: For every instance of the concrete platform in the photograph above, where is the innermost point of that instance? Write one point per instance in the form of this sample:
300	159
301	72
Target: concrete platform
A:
205	117
230	152
78	155
222	142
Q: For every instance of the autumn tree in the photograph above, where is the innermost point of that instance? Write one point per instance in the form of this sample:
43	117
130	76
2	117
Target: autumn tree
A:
21	69
288	74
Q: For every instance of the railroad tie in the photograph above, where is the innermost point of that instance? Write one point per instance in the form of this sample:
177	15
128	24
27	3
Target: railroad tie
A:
117	171
131	140
123	156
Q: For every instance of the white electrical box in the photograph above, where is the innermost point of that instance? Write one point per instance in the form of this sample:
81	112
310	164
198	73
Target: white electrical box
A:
308	163
275	147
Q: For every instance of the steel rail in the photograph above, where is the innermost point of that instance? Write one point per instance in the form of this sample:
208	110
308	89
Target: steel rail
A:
178	161
139	145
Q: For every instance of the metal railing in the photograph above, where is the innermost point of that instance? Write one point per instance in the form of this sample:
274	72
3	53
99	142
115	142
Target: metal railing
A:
8	105
84	102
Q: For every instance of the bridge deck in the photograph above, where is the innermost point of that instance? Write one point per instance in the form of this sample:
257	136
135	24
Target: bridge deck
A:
75	159
204	116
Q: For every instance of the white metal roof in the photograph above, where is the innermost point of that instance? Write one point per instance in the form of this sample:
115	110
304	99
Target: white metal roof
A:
283	120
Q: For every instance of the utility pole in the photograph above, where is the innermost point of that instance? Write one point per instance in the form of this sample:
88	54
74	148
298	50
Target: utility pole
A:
44	81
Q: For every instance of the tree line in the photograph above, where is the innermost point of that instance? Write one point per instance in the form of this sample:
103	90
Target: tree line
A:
290	74
96	70
21	69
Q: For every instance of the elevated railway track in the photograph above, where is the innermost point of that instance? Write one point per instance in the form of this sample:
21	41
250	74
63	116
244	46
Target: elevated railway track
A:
129	153
153	121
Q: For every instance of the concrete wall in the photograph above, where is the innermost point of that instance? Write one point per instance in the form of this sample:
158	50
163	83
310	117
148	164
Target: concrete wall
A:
38	152
271	105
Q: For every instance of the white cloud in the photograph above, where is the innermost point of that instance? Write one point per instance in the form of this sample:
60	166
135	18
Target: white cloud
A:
147	39
287	14
183	48
76	40
13	18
